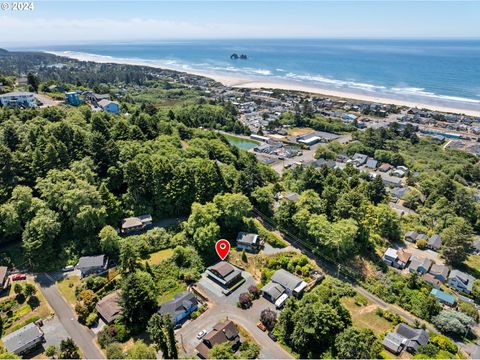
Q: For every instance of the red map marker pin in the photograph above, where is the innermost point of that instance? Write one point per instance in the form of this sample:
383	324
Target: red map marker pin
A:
223	248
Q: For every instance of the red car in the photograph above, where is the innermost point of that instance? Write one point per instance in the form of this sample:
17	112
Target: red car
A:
17	277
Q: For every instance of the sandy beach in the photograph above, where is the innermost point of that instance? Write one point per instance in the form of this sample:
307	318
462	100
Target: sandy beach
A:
258	83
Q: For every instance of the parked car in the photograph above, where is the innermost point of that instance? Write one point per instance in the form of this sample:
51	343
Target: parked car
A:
272	336
17	277
201	334
68	268
261	326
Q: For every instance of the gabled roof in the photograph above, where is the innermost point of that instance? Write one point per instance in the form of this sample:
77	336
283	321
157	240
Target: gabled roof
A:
131	222
109	306
247	238
443	296
16	340
179	304
416	263
391	253
393	342
466	279
286	279
273	290
223	268
403	256
439	269
435	241
411	234
419	336
91	261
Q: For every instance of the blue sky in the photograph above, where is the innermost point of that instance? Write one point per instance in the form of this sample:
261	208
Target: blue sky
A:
67	21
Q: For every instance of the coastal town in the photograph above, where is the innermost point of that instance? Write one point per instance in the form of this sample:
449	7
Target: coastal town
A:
341	244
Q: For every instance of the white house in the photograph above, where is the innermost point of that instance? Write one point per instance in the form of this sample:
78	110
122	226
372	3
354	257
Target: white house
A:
14	99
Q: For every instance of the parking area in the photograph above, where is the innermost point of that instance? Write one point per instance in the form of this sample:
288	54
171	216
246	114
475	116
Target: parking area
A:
214	290
53	331
428	254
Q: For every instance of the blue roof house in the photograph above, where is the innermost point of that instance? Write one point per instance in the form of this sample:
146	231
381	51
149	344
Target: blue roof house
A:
443	297
109	106
181	306
72	98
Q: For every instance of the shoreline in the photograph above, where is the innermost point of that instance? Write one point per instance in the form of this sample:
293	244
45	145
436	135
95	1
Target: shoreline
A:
258	83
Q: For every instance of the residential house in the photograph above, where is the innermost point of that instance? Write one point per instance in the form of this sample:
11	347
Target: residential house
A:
110	106
419	265
411	236
390	180
429	278
393	342
92	264
322	162
390	257
180	307
443	297
434	243
415	337
222	332
439	271
18	99
385	167
359	159
24	339
4	279
72	98
136	224
293	284
272	291
402	258
109	307
291	196
249	242
422	237
461	281
224	274
371	163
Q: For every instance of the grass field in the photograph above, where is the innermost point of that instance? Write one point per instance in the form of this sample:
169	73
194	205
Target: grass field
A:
365	316
157	257
180	286
472	265
67	288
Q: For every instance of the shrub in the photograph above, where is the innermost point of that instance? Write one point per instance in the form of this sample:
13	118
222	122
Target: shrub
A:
33	301
121	332
244	301
254	291
51	350
106	337
268	318
18	288
244	256
114	351
422	244
392	317
91	319
360	300
444	343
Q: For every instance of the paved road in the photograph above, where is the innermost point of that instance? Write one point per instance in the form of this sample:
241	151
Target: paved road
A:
245	318
82	336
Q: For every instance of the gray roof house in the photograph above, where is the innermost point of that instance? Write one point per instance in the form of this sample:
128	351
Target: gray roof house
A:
415	337
224	274
419	265
411	236
371	163
393	342
272	291
461	281
92	264
434	243
182	305
249	242
439	271
359	159
24	339
293	284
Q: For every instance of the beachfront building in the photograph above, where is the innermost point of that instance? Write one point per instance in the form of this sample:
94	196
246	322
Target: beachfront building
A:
18	99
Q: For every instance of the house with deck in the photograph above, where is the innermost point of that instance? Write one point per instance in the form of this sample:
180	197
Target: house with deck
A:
224	274
18	99
249	242
136	224
461	281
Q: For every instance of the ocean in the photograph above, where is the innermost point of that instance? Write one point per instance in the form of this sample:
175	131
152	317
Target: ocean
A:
443	72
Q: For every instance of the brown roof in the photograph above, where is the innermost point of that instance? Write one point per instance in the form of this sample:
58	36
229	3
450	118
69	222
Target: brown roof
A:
385	166
221	333
223	268
3	274
432	280
109	307
403	256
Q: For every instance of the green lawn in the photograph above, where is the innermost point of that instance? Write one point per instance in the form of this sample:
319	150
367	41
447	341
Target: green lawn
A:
167	296
472	265
67	288
157	257
365	316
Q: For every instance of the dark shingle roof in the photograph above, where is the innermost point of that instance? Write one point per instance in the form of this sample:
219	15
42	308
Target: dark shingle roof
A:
91	261
179	303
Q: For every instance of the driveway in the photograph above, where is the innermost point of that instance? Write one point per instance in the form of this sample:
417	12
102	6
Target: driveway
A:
429	254
214	291
82	336
54	332
247	319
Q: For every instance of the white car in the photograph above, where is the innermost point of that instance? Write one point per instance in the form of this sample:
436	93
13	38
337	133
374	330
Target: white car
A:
201	334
